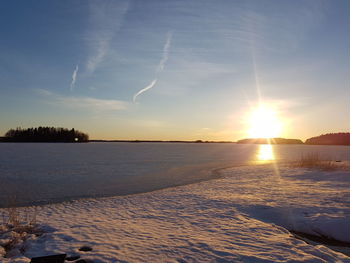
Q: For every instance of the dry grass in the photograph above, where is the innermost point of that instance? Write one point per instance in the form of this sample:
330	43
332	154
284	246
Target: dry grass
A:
16	217
16	226
314	160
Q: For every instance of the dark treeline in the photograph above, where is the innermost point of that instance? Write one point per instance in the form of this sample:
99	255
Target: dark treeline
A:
270	141
45	134
342	138
161	141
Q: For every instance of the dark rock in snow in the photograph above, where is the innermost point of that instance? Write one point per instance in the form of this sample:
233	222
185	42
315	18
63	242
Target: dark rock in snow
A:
85	248
49	259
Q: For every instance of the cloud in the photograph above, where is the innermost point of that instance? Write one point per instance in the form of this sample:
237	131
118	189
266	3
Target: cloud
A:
98	55
160	67
106	19
165	55
82	102
151	85
74	77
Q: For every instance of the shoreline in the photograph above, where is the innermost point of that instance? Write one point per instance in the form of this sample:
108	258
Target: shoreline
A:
207	172
212	174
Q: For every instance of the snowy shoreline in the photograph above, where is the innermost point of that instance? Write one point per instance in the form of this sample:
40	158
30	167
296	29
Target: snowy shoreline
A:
243	216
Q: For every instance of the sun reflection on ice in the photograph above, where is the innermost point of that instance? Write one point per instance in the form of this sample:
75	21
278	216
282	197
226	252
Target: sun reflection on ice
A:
265	153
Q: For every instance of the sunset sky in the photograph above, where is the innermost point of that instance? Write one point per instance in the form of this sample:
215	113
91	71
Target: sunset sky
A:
180	70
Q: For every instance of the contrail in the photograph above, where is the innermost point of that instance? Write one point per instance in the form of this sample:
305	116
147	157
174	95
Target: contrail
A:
151	85
74	77
106	21
165	55
160	66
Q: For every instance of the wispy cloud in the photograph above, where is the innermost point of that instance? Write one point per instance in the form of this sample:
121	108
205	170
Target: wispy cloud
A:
165	55
160	67
82	102
74	78
151	85
98	54
106	18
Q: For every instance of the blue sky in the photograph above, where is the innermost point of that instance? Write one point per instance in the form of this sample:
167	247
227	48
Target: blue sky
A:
185	70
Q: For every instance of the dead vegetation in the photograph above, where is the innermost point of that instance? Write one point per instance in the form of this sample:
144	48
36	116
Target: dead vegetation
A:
314	161
17	225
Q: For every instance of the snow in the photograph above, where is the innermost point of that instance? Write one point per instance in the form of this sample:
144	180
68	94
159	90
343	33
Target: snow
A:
244	216
313	202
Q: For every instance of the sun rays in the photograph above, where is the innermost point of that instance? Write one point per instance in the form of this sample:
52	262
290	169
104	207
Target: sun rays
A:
264	122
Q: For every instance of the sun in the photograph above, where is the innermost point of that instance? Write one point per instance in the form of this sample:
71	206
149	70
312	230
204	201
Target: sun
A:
264	122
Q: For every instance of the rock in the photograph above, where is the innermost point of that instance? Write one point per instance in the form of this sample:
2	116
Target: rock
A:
59	258
85	248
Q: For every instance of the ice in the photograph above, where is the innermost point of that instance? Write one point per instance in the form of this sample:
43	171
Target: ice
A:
40	173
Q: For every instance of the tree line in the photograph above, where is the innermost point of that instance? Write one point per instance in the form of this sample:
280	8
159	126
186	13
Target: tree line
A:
45	134
341	138
270	141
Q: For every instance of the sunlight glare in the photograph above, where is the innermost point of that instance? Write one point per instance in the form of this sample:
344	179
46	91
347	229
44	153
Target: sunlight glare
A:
264	123
265	153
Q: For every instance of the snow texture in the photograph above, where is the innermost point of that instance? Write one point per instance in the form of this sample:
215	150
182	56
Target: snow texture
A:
242	217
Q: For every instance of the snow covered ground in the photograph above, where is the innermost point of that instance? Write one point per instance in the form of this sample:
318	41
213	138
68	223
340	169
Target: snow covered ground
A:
242	217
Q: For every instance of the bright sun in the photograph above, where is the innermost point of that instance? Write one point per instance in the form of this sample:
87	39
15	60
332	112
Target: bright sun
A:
263	122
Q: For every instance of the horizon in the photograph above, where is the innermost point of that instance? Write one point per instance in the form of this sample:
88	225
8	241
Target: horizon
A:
199	70
269	140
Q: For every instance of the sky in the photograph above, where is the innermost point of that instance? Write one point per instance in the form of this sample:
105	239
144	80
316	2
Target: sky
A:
174	70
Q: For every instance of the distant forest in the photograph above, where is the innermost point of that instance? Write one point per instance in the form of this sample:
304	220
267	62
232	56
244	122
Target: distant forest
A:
342	138
270	141
45	134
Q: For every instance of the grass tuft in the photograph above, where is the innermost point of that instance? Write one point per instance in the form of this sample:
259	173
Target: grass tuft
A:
314	161
18	224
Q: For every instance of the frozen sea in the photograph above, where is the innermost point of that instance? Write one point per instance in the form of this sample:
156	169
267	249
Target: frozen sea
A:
39	173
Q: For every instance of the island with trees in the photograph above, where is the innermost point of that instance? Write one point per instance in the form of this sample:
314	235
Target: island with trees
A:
341	138
270	141
45	134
